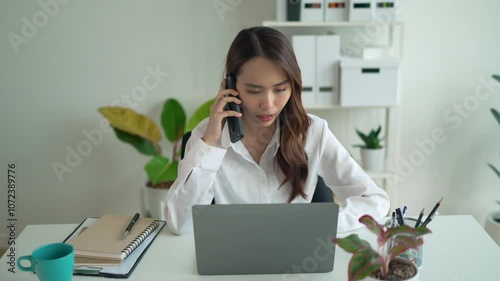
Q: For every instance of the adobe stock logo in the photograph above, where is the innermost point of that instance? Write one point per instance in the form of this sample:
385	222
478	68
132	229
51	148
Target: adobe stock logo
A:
39	20
223	6
323	251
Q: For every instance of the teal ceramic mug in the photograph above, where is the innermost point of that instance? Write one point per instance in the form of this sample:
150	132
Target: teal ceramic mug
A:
51	262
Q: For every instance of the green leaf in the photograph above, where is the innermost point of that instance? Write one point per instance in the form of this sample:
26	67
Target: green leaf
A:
496	114
129	121
142	145
363	263
403	243
371	140
496	77
160	169
494	169
173	120
351	243
405	229
372	225
199	114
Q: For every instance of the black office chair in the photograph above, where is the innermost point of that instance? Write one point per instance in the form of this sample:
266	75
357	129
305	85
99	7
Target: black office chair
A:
322	193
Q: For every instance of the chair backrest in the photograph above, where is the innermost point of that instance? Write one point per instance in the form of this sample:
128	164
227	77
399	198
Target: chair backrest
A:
322	193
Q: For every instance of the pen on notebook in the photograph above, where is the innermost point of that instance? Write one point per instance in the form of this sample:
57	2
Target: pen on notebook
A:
130	225
420	217
429	217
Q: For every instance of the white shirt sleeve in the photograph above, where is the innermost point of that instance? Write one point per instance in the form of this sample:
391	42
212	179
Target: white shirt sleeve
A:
353	188
193	185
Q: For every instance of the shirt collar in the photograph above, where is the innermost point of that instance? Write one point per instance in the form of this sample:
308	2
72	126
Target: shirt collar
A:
225	141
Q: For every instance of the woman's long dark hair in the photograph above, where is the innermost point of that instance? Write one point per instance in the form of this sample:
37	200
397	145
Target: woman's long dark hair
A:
291	158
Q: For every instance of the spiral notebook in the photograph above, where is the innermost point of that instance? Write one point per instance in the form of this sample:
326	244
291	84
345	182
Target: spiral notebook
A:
100	251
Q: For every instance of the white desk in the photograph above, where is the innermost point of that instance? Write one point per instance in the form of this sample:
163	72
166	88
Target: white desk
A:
457	250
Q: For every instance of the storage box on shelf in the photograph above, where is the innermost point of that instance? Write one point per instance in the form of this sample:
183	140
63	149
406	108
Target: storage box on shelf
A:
369	82
335	10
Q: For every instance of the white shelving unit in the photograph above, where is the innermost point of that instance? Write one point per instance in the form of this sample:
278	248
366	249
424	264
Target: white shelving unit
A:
391	113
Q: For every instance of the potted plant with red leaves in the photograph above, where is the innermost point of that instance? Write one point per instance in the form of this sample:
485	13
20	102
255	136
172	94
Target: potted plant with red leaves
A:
383	263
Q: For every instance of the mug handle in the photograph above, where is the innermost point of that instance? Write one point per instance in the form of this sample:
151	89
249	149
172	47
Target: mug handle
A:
28	258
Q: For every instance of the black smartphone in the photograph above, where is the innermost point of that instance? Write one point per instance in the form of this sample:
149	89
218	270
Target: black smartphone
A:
234	123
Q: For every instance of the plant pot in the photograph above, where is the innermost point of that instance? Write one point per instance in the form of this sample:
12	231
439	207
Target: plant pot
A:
492	226
407	263
153	202
372	159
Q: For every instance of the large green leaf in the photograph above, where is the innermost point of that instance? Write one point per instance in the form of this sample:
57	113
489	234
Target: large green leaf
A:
142	145
173	120
363	263
160	169
403	243
351	243
199	114
372	225
496	77
129	121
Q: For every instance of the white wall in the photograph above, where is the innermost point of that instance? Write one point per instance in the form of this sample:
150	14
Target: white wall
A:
92	53
448	50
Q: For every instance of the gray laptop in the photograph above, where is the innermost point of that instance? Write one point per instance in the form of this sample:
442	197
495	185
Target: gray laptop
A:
265	238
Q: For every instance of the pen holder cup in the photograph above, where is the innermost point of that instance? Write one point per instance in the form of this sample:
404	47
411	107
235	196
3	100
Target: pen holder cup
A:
413	255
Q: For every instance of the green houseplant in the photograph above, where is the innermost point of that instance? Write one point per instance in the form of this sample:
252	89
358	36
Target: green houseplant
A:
381	263
370	140
144	135
372	152
492	224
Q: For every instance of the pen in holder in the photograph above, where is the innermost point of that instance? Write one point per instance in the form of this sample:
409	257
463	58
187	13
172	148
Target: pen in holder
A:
413	255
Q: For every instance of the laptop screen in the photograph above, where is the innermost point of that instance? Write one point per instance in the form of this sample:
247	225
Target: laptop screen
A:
265	238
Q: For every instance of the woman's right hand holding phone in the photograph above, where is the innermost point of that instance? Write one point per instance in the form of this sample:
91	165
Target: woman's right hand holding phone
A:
218	113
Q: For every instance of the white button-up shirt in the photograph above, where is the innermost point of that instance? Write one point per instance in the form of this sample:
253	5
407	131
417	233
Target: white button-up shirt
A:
228	173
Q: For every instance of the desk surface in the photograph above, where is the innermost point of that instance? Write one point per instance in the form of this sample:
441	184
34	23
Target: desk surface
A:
457	250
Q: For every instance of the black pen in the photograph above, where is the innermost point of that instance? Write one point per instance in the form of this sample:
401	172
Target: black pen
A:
399	216
130	225
420	217
429	217
428	221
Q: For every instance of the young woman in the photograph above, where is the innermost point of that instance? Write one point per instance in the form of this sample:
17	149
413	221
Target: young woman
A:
284	149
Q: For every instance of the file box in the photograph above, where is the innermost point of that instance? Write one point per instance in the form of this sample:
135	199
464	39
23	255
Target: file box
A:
362	10
369	82
327	69
311	10
305	50
385	10
336	10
